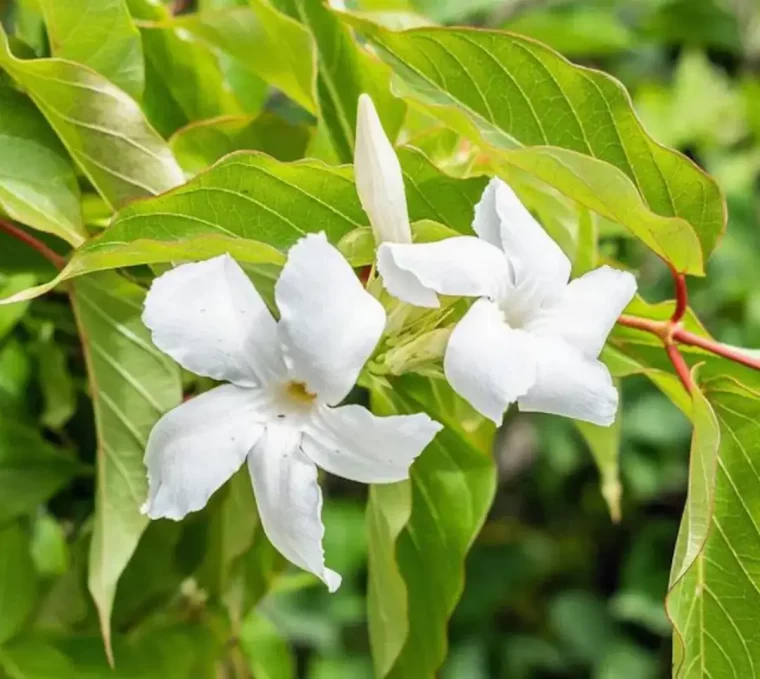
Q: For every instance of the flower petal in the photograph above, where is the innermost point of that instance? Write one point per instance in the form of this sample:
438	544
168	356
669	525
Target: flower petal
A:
379	181
464	265
329	324
534	258
289	500
196	447
353	443
587	309
488	363
571	384
209	318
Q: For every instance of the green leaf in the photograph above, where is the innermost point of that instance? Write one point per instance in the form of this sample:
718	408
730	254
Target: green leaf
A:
132	384
267	652
102	127
58	392
32	658
99	34
434	195
31	469
202	144
604	443
184	80
18	580
13	314
35	659
570	126
269	44
345	72
421	530
37	182
715	586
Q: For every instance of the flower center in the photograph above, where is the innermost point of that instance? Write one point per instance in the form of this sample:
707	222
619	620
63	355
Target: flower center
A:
298	392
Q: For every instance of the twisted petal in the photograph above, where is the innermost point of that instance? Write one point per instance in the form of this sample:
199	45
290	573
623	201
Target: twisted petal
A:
502	220
290	500
209	318
488	363
571	384
455	266
329	324
379	181
587	309
196	447
353	443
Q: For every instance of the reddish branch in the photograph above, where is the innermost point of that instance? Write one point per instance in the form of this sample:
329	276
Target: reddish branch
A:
671	332
53	257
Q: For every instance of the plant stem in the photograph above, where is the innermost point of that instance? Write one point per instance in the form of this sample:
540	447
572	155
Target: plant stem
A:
53	257
681	368
686	337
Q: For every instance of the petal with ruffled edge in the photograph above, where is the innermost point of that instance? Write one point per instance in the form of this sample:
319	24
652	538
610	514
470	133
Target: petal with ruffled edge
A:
570	384
210	319
196	447
289	500
535	259
379	180
329	324
488	363
587	309
464	265
353	443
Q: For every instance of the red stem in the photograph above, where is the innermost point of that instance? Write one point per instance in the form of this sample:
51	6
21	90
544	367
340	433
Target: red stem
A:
686	337
682	296
53	257
682	369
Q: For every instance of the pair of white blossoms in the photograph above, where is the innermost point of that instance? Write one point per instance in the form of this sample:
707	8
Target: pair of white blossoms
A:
530	337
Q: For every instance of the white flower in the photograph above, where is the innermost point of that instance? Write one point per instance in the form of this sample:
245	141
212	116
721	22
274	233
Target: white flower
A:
379	181
278	410
532	336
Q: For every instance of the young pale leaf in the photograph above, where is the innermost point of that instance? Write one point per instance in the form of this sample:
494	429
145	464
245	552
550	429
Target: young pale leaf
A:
132	384
37	182
99	34
18	580
31	470
101	126
201	144
572	127
345	72
269	44
420	532
715	583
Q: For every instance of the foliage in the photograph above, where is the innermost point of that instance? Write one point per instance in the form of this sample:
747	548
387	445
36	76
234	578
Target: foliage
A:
136	134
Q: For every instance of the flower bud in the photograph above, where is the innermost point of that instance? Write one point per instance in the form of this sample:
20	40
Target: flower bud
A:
379	181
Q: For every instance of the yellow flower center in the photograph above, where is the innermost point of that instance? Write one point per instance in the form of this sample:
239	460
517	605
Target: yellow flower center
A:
298	392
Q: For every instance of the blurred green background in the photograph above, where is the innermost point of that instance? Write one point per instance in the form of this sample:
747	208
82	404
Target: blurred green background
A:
554	588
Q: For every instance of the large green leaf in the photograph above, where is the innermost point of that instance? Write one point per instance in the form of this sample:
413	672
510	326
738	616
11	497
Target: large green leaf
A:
268	43
31	469
345	72
18	580
421	530
99	34
101	126
715	580
37	182
132	384
570	126
255	207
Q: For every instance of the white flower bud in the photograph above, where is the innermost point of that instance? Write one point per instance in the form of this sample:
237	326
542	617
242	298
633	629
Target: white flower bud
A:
379	181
